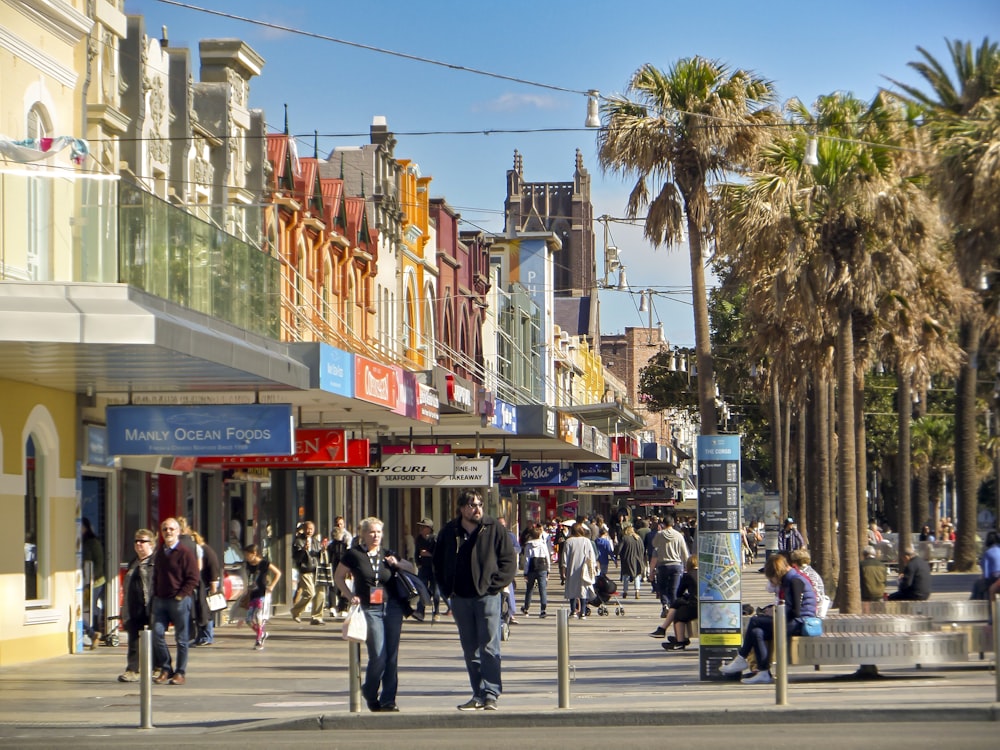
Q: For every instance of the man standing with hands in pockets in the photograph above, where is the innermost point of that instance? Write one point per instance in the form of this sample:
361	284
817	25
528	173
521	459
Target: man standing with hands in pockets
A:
474	562
175	578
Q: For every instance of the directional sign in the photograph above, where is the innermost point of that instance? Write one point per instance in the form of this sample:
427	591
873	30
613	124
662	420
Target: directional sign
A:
715	496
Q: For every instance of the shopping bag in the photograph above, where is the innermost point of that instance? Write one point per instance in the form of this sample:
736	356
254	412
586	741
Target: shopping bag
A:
355	628
588	573
216	602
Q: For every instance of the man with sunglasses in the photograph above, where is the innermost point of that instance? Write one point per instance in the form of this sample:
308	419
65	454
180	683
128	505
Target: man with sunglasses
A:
137	601
175	579
474	562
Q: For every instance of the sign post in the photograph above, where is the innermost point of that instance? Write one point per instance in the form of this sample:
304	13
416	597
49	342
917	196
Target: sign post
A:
720	552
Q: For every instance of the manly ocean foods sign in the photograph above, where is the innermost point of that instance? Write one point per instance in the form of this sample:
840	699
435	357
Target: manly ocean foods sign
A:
233	430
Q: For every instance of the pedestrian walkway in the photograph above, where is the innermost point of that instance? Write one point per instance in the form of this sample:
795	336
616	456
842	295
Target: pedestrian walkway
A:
619	675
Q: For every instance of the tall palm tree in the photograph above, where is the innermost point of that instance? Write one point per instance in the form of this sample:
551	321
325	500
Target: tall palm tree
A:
963	117
673	131
832	229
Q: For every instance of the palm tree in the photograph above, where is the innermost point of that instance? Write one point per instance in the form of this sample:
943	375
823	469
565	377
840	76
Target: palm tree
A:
693	122
963	117
831	230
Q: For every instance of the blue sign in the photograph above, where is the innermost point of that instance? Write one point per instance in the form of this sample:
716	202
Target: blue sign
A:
538	473
593	471
504	416
336	371
201	430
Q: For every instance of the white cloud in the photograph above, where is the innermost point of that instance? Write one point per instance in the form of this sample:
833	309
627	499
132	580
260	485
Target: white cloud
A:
515	102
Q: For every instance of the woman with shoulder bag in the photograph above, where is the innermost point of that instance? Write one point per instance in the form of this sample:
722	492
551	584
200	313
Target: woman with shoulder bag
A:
581	570
536	569
371	568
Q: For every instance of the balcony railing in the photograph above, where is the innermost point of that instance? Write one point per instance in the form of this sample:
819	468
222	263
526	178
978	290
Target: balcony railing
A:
92	229
170	253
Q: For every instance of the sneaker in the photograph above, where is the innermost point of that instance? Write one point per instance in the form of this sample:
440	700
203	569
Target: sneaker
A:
128	676
543	614
663	611
296	618
524	611
436	618
389	708
490	704
658	633
763	677
258	646
317	621
473	704
737	665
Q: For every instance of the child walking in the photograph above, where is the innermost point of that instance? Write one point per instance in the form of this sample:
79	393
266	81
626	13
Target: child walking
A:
262	576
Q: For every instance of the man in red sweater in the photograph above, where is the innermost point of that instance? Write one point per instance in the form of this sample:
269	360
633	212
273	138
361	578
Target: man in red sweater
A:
175	579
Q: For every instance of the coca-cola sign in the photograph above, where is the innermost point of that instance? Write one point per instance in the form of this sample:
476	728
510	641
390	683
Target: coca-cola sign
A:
377	383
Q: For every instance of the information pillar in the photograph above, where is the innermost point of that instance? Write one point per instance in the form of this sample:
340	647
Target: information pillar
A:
720	552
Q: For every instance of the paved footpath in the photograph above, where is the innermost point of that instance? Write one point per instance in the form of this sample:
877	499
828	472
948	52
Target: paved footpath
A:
619	677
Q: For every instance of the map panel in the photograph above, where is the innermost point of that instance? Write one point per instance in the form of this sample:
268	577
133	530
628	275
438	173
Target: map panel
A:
719	565
721	617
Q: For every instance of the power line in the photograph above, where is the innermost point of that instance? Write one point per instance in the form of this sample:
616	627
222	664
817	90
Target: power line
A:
372	48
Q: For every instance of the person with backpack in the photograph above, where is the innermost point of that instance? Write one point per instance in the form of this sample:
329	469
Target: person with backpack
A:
536	569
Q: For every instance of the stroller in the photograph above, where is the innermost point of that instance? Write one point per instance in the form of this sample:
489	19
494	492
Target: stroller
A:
604	592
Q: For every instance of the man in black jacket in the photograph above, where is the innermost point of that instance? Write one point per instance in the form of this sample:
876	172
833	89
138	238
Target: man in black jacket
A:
474	562
915	578
305	553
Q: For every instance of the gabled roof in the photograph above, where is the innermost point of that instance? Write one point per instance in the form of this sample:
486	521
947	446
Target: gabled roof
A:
277	154
333	193
306	183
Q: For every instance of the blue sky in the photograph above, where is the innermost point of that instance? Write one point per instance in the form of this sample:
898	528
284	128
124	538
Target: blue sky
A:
807	48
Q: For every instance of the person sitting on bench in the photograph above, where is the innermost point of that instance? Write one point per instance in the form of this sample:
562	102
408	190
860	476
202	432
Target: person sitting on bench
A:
914	578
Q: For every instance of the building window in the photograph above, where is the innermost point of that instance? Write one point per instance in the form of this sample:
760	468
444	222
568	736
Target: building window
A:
34	524
39	198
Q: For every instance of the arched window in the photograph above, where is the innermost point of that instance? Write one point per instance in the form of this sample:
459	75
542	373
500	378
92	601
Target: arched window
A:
34	523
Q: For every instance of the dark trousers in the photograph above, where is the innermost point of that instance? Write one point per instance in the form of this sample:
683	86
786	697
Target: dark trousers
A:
133	627
166	611
668	577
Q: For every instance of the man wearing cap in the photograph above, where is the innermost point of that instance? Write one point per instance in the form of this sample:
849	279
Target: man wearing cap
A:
873	578
789	538
424	546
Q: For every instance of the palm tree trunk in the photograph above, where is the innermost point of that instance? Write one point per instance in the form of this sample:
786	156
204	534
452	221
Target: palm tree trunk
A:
823	541
806	514
966	448
849	588
702	337
833	520
776	447
861	475
904	520
921	494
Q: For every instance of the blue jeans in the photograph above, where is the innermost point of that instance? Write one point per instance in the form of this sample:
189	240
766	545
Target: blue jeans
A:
760	631
206	632
385	624
478	621
668	577
542	580
626	580
166	611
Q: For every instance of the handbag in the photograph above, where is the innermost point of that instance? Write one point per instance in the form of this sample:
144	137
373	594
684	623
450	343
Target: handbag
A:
355	627
812	626
588	574
216	602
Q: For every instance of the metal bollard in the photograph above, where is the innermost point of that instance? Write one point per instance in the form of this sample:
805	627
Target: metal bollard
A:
996	643
780	656
562	655
145	679
354	675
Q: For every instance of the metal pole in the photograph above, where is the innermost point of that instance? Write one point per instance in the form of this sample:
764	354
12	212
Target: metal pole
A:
354	675
562	655
145	679
996	643
780	656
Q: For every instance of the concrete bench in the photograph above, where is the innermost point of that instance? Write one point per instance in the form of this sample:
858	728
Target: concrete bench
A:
941	611
871	650
878	623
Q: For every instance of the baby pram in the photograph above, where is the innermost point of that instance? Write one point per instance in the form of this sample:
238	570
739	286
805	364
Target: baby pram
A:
604	592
